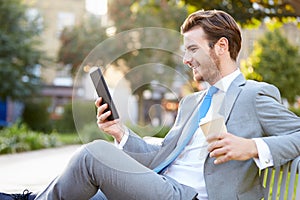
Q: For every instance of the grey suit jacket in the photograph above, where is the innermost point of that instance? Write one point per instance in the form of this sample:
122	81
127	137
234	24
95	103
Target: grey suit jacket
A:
251	110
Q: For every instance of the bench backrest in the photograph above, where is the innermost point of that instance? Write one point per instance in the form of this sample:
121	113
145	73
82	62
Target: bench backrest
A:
283	182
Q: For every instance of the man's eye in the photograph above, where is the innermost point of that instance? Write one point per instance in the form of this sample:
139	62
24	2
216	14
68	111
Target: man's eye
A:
193	50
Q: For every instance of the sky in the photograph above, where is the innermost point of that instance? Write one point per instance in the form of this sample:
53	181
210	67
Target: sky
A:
97	7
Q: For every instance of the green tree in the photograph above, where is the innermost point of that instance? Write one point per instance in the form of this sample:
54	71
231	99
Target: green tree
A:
127	15
78	41
276	61
251	11
18	50
36	114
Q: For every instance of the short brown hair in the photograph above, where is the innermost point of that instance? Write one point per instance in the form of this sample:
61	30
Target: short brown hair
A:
216	24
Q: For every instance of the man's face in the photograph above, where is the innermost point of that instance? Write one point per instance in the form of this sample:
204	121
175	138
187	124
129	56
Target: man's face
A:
200	57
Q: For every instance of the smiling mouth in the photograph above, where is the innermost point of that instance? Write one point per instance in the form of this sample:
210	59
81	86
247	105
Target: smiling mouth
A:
194	67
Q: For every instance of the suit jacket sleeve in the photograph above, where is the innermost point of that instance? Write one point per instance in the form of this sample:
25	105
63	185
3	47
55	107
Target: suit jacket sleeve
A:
280	125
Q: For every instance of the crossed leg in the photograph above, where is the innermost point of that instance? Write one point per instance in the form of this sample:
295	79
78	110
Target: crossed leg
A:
100	165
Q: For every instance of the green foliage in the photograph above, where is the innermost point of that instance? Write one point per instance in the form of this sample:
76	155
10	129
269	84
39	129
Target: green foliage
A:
85	112
250	12
149	13
158	131
276	61
18	138
128	14
68	138
91	132
66	123
18	52
36	114
78	41
295	110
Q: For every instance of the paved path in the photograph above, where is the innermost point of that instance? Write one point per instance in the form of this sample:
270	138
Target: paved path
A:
33	170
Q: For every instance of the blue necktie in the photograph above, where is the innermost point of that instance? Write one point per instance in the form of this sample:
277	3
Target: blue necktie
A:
202	113
207	101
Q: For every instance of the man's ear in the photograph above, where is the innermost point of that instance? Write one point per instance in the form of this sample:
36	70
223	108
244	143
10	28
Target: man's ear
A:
222	46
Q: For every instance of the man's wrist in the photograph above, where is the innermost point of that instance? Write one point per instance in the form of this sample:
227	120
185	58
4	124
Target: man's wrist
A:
122	139
254	150
265	158
119	137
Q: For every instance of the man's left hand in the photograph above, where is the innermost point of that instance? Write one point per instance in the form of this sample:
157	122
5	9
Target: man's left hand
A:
226	146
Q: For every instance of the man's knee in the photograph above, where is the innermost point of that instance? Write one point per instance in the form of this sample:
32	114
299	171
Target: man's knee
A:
100	147
89	152
110	156
103	152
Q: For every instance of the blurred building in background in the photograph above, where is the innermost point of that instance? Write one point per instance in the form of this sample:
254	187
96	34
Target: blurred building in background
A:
55	15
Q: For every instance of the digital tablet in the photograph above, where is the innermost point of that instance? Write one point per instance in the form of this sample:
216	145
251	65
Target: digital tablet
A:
102	91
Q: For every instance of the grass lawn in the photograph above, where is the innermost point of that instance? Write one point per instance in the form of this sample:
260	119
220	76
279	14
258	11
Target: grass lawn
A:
69	138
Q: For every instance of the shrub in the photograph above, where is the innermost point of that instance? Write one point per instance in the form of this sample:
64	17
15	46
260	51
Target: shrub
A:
85	114
18	138
296	111
66	123
91	132
36	115
158	131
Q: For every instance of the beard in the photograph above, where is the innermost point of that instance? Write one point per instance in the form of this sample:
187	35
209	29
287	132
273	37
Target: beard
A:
213	68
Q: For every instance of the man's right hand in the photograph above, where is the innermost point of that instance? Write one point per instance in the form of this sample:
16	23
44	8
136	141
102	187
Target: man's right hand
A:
114	127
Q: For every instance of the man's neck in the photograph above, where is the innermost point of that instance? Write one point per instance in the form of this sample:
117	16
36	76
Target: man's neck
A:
228	68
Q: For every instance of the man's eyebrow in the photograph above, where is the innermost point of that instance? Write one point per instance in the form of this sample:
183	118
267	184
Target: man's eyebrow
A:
191	46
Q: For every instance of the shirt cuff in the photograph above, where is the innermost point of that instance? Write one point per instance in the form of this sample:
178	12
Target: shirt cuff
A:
265	158
123	140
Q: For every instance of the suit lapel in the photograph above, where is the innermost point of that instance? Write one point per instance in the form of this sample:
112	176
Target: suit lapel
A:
189	109
192	111
231	96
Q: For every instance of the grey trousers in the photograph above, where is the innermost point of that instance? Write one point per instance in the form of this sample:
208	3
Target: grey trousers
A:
100	165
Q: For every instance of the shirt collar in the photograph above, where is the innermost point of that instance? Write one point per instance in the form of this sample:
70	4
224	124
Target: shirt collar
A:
226	81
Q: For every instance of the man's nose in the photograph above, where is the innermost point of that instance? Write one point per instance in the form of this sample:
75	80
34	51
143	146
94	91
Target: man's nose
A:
187	59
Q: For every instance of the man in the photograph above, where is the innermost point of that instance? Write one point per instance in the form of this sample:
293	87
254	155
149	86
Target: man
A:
261	132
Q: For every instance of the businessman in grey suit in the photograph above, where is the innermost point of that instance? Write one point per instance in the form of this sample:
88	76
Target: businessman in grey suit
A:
261	133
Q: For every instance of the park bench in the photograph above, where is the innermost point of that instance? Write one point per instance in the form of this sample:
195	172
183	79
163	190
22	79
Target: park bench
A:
282	183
